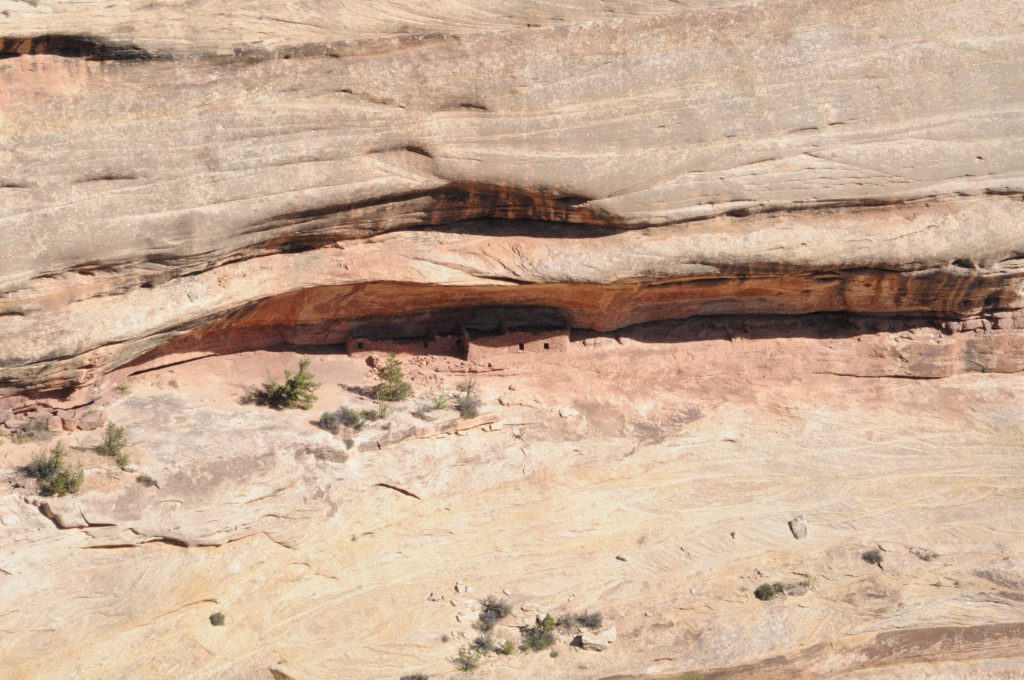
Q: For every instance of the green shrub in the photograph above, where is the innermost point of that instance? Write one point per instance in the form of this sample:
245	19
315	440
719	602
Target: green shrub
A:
114	441
539	636
589	620
873	557
54	475
494	610
66	481
467	660
297	391
507	649
392	385
484	644
343	416
439	402
45	466
767	591
217	619
467	402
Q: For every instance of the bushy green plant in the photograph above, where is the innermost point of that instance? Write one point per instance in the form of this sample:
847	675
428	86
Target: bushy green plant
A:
391	385
114	441
217	619
54	475
539	636
343	416
297	391
44	466
767	591
873	557
467	660
507	649
494	610
485	644
591	620
467	402
66	481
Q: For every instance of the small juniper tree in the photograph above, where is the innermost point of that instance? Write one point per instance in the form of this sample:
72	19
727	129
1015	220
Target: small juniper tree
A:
297	391
539	636
114	441
392	385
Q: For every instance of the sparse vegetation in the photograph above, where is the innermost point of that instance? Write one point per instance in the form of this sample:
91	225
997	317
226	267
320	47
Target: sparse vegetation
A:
539	636
146	480
767	591
467	660
123	460
392	385
507	649
217	619
54	475
439	402
553	653
589	620
873	557
297	391
467	402
114	441
343	416
485	644
924	554
36	430
494	610
415	676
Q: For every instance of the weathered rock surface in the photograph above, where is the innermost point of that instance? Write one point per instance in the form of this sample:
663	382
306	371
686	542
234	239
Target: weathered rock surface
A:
751	214
623	162
246	512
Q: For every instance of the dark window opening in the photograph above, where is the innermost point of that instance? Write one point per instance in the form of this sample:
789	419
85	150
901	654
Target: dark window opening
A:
521	347
359	345
547	345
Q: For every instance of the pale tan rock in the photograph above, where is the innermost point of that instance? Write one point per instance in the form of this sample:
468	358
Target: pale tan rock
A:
590	642
92	420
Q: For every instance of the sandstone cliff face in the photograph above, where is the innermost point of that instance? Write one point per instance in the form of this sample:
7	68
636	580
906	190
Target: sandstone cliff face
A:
814	197
167	171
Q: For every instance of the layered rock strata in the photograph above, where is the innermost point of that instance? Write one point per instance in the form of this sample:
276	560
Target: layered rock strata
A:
176	182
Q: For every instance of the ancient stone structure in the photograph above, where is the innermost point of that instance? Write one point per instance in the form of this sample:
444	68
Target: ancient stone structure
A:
750	213
210	180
